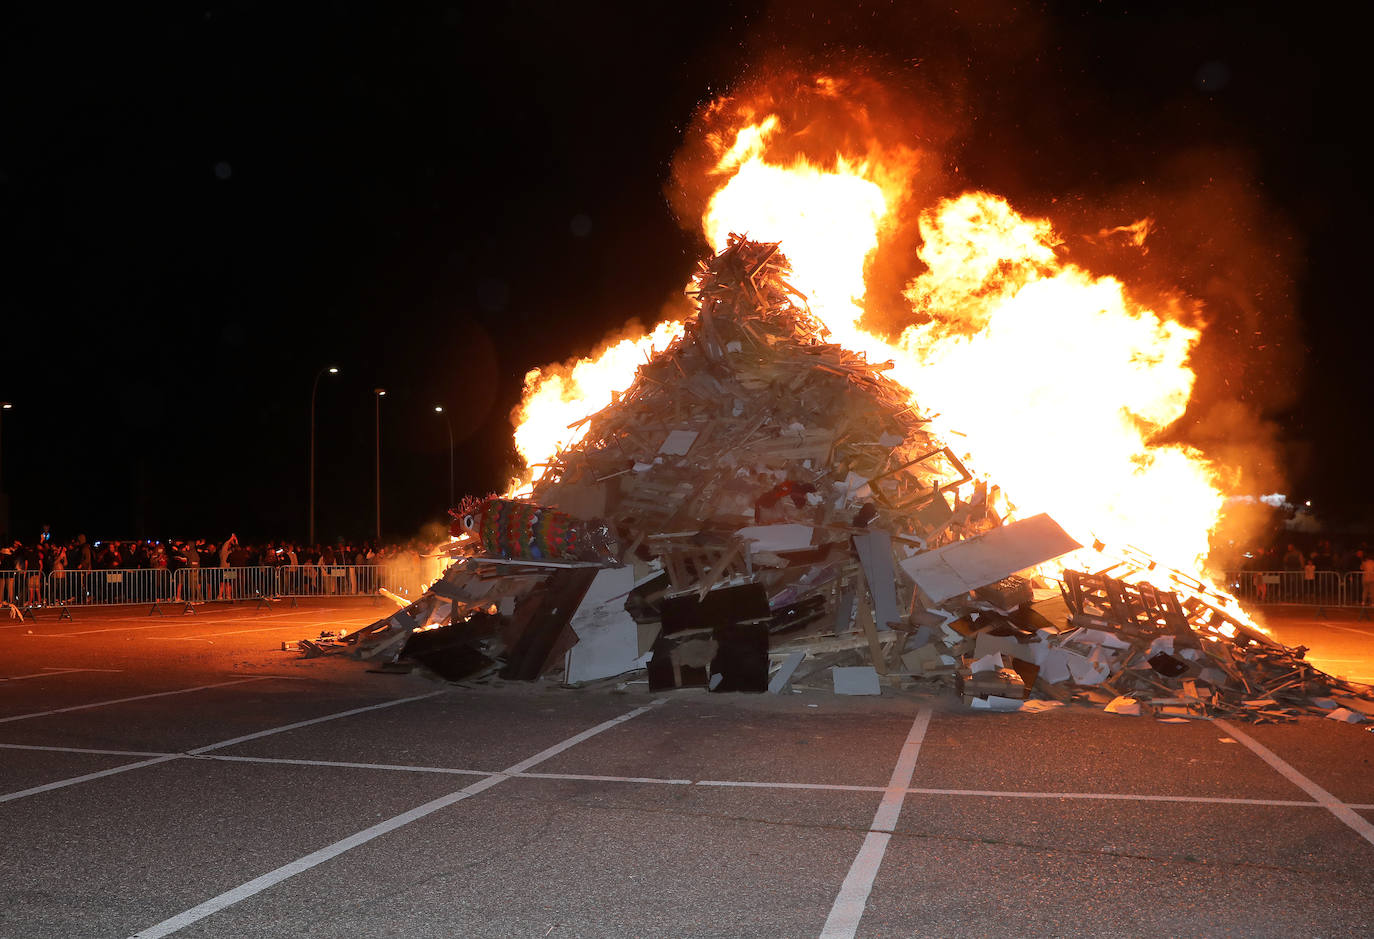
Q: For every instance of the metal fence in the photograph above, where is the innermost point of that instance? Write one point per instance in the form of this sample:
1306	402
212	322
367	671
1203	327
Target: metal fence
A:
1321	589
128	586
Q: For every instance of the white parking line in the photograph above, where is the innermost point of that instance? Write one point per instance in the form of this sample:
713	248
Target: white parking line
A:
848	908
110	629
30	746
239	632
137	697
582	777
74	780
315	858
308	723
789	785
1115	797
1367	633
55	671
722	783
335	763
172	623
1333	805
252	618
714	783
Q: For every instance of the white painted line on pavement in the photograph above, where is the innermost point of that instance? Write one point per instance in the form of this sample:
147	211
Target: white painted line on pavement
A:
112	629
30	746
1367	633
719	783
261	629
315	858
307	723
137	697
789	785
72	781
250	618
171	623
1333	805
1113	797
51	670
580	777
55	671
754	784
335	763
848	909
61	783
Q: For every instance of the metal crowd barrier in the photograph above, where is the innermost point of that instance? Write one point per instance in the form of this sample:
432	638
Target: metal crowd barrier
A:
1323	589
331	580
195	584
129	586
107	587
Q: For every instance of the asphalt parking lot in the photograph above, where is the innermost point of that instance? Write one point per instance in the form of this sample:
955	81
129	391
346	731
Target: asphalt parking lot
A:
180	775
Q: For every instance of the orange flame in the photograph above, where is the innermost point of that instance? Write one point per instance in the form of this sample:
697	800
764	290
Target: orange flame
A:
1074	380
1052	379
557	398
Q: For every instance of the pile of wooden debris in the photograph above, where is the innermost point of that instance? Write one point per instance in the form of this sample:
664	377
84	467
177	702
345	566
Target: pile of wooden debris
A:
762	507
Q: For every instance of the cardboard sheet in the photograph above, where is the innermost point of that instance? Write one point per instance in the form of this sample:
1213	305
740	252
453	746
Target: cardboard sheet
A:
777	537
784	673
995	702
862	679
607	636
967	565
678	442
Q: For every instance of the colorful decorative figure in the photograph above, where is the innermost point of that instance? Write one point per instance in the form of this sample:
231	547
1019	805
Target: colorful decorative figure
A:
509	528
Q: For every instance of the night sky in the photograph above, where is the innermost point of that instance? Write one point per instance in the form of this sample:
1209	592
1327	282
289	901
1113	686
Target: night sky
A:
203	208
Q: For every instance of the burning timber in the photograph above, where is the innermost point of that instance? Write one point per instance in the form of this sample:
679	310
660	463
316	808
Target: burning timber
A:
762	508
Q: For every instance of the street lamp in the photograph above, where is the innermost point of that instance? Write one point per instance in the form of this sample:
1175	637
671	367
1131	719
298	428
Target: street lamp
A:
4	499
449	425
378	395
333	370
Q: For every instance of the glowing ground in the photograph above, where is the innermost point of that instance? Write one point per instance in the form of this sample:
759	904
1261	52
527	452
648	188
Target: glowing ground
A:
179	776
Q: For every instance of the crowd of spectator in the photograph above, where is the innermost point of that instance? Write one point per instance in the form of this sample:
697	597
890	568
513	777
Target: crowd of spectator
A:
47	570
1287	572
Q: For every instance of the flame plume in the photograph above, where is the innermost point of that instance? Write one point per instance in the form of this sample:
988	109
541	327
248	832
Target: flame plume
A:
1052	379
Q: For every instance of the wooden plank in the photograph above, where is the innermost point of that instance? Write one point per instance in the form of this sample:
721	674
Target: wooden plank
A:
536	645
875	648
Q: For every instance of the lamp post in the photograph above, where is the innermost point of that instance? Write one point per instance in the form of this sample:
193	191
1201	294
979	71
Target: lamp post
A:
377	395
4	499
333	370
449	425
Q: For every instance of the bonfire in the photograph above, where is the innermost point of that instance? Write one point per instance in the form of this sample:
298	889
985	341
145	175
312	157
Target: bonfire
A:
770	493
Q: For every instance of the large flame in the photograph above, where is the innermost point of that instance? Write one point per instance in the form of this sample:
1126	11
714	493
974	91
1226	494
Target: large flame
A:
558	398
1062	385
1053	380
